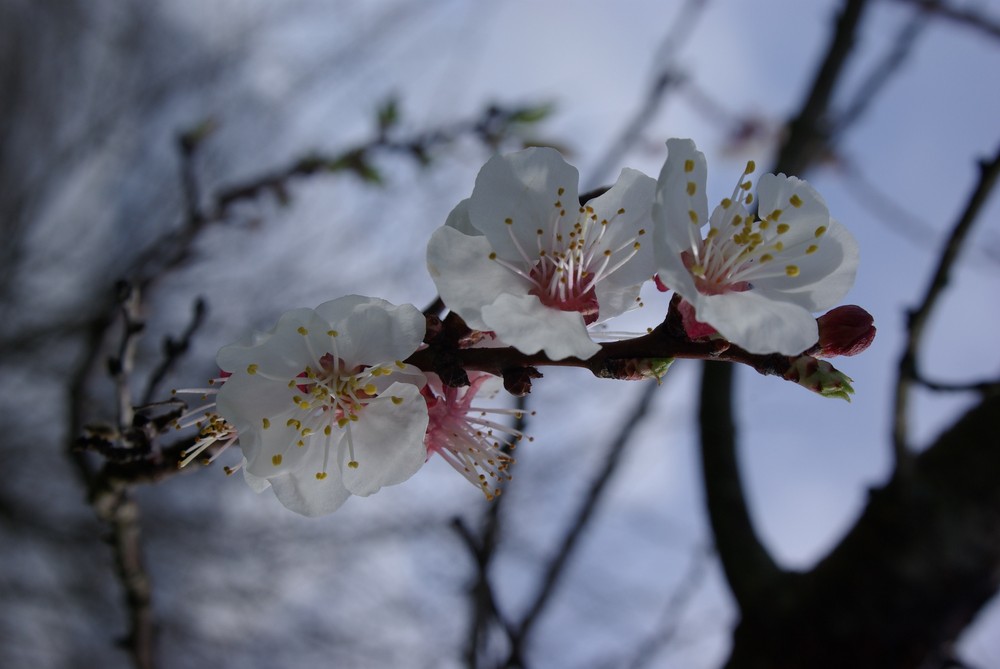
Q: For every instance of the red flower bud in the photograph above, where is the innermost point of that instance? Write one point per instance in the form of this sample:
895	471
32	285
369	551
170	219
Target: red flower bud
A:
846	330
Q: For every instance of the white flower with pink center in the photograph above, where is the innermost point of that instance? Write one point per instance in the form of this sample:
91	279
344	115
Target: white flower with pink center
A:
323	404
756	280
465	436
523	259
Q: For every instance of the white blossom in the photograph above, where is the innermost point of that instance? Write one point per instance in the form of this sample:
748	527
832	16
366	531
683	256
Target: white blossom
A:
523	259
756	280
323	404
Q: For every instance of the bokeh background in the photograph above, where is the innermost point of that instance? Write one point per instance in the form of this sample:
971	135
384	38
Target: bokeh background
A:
94	98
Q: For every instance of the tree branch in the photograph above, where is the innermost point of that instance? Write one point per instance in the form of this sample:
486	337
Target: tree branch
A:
989	172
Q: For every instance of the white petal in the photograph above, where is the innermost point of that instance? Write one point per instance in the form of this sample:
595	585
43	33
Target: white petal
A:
466	278
824	277
616	300
776	191
282	352
372	331
758	324
673	204
523	187
256	483
303	493
634	193
529	326
459	219
388	441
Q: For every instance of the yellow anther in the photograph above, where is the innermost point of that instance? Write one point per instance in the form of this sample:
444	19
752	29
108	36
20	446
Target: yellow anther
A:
304	405
400	364
302	330
751	167
779	246
539	231
266	423
320	476
370	389
332	333
637	246
775	215
712	232
561	191
782	228
820	230
327	430
493	255
792	270
642	231
689	165
763	225
353	464
397	400
748	199
746	185
692	188
276	459
307	432
698	270
737	220
726	203
252	368
812	249
292	422
509	221
341	422
795	201
766	257
693	215
622	210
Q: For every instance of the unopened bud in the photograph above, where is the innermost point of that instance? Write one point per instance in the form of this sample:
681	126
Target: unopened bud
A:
846	330
820	377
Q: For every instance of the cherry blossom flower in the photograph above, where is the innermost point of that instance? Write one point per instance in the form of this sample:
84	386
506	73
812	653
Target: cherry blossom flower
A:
757	281
465	436
523	259
323	404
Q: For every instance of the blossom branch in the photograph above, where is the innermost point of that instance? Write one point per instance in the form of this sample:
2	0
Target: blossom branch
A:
989	172
174	350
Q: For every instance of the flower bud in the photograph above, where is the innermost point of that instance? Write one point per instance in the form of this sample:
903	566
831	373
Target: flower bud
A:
820	377
846	330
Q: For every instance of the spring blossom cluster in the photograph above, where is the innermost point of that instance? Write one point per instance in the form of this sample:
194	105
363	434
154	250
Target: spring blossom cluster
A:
326	406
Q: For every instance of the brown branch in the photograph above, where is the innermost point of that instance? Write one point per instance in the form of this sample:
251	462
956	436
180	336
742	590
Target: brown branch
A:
989	172
910	575
750	570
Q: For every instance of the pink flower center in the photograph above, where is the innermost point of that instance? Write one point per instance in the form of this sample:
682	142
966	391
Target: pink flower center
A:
554	290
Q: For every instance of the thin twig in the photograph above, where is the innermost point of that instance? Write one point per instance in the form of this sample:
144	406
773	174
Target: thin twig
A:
665	78
670	620
174	349
556	567
989	172
964	17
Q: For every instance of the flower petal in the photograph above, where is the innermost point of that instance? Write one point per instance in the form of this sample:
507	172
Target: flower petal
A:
632	195
529	326
523	187
824	277
681	204
282	352
372	331
465	276
303	493
388	441
757	323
